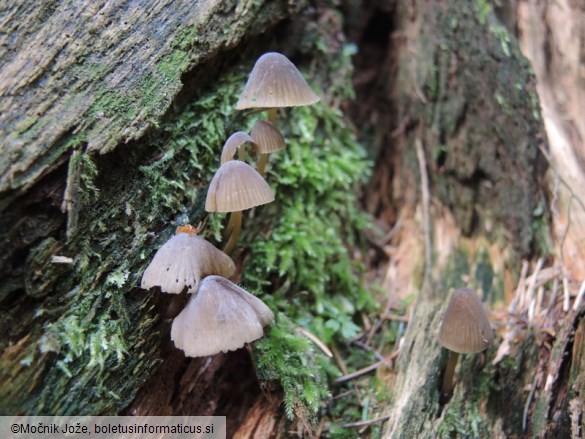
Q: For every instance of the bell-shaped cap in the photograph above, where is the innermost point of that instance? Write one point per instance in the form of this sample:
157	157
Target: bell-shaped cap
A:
465	327
236	186
267	137
275	82
182	262
232	144
221	317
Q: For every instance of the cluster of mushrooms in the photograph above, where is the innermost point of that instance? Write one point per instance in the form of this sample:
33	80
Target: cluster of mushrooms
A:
221	316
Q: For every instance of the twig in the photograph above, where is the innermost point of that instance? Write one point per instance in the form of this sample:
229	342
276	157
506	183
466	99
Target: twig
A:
320	428
394	317
519	289
393	231
424	183
56	259
367	369
527	407
531	311
567	294
532	284
579	298
315	340
539	299
367	422
553	296
365	347
70	202
343	368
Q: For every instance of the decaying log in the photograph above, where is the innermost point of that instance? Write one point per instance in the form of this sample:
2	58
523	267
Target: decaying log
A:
101	73
459	89
80	83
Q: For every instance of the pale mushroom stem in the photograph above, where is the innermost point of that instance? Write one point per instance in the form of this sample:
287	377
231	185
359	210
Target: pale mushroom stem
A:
236	227
230	224
228	228
263	160
261	168
447	387
272	115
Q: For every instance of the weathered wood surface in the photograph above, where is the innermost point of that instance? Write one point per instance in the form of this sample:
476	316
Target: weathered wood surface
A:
97	74
552	36
460	93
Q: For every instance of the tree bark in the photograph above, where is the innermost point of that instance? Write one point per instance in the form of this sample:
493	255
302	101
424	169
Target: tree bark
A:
101	73
466	134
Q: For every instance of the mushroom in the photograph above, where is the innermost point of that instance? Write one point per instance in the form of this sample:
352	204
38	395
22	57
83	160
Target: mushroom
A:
234	143
268	140
465	329
221	317
275	82
235	187
183	261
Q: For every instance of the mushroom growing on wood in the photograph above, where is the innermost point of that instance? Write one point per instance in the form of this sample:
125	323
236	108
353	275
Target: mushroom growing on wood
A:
465	329
183	261
268	140
235	187
275	82
221	317
234	143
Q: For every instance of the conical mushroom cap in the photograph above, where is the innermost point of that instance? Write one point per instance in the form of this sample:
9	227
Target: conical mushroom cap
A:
465	327
221	317
275	82
235	141
267	137
237	186
182	262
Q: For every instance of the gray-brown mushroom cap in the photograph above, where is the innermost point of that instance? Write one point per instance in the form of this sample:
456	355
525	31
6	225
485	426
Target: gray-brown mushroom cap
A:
221	317
267	137
465	327
182	262
236	186
275	82
232	144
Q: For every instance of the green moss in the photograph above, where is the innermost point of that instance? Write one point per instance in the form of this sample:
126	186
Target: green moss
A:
457	267
313	223
25	125
98	338
173	65
288	358
96	343
463	416
303	266
483	10
475	270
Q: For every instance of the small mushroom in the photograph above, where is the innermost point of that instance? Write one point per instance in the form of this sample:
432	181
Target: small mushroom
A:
465	329
268	140
221	317
235	187
234	143
183	261
275	82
